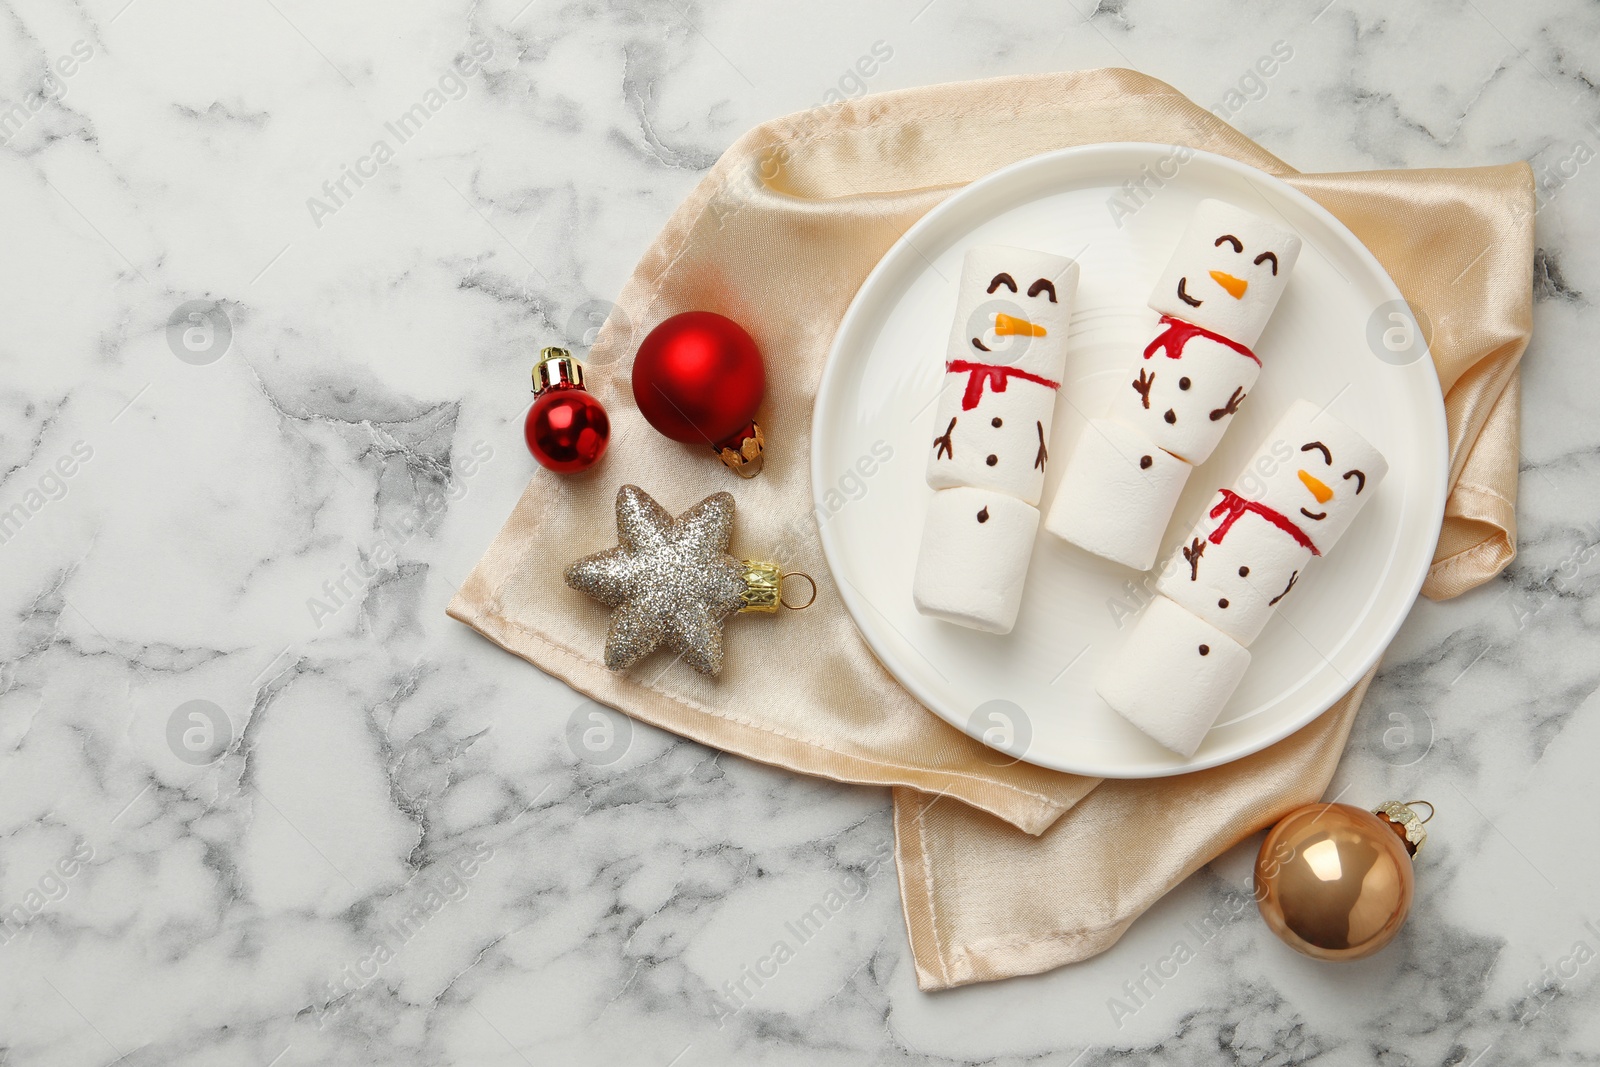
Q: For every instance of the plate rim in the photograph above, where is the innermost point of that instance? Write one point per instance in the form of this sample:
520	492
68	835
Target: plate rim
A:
822	411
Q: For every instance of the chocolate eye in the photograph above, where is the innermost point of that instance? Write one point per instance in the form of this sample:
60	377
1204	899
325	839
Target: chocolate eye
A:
1327	457
1269	255
1184	383
1238	245
1003	279
1043	285
1361	480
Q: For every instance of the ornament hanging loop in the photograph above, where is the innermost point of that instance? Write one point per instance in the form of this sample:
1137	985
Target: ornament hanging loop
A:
812	582
763	587
1414	803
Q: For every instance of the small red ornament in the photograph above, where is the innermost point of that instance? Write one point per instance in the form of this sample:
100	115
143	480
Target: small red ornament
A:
567	429
698	378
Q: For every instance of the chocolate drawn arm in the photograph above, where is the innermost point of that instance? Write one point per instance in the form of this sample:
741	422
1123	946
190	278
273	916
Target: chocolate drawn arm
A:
1230	407
942	446
1142	384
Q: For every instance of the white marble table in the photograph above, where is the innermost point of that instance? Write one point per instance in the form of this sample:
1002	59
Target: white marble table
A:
396	857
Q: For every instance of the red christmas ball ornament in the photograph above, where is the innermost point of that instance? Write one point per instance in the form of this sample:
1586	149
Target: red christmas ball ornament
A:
698	378
567	429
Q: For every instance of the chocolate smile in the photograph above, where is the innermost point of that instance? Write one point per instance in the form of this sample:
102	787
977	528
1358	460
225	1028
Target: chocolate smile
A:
1184	295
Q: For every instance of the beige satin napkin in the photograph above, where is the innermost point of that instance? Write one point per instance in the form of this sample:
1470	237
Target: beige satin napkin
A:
998	876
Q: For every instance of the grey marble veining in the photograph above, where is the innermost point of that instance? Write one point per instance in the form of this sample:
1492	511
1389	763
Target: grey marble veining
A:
262	803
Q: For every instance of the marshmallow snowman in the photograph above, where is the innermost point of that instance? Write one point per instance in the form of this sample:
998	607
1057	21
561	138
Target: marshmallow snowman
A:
989	449
1309	478
1215	296
1003	365
1295	499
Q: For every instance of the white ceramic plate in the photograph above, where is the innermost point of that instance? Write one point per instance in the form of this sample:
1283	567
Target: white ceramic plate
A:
1031	692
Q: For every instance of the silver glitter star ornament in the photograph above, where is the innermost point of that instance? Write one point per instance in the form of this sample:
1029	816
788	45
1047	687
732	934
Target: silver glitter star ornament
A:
671	581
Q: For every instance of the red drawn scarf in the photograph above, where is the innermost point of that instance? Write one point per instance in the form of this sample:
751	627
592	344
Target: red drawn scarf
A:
1235	505
996	376
1179	333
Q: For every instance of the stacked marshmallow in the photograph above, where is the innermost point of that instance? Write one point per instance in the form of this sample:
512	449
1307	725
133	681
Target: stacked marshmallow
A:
1187	654
1003	367
1217	293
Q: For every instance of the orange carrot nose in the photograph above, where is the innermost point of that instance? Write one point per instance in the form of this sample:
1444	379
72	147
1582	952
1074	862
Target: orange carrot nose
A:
1318	490
1005	325
1235	286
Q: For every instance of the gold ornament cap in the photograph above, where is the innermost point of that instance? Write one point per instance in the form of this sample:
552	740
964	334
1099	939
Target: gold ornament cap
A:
763	587
743	452
556	368
1407	823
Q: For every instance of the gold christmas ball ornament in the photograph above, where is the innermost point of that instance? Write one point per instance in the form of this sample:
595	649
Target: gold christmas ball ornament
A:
1335	882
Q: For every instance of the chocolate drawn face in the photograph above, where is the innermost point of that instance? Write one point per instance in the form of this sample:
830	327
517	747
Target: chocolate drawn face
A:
1019	313
1227	271
1321	492
1231	276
